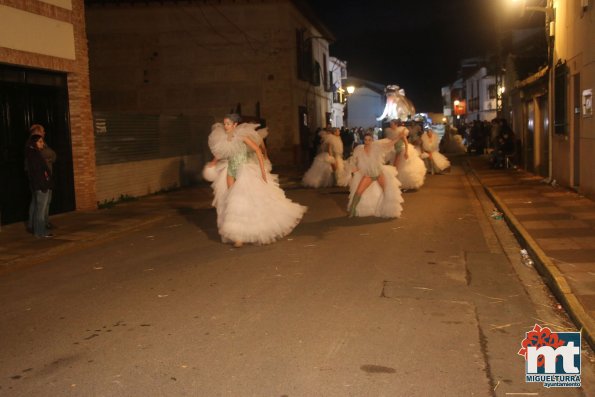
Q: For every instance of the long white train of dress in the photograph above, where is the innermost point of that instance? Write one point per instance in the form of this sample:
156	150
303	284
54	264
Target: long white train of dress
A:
262	134
251	210
375	201
342	176
255	211
320	173
431	145
412	171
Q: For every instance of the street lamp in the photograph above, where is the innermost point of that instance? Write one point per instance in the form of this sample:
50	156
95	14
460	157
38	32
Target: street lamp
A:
548	10
350	90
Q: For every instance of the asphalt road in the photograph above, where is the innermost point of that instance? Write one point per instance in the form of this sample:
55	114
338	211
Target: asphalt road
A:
433	304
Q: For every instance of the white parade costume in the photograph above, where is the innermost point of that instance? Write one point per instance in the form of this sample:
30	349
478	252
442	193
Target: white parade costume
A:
262	134
436	160
251	210
398	135
411	171
374	201
320	173
453	142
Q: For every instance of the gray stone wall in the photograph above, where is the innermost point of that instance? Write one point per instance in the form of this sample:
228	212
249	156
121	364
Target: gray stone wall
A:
200	60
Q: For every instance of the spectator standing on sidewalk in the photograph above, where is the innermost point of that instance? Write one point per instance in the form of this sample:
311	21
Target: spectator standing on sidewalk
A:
49	156
40	182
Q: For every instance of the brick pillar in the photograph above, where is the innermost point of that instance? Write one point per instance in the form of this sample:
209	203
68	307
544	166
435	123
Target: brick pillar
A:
81	118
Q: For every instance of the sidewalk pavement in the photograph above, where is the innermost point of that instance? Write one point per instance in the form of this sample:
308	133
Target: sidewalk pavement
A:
77	230
555	225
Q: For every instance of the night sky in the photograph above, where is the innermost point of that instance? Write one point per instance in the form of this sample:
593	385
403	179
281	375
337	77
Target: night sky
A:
416	44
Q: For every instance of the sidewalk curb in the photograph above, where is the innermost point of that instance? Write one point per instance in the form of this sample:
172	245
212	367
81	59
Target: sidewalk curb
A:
550	272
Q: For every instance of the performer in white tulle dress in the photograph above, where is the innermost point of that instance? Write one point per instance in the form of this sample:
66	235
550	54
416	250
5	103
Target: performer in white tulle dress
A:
410	167
251	207
397	132
374	188
328	168
452	142
435	161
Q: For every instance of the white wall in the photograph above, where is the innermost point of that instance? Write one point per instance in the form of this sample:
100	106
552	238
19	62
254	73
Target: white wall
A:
363	106
477	86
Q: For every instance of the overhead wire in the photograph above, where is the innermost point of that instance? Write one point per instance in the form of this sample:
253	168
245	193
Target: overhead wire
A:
244	33
189	33
251	41
213	27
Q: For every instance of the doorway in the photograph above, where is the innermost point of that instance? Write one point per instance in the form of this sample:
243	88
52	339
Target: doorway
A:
544	138
27	97
530	137
576	133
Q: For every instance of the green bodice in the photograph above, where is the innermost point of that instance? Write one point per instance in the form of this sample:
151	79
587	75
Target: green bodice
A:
399	146
236	161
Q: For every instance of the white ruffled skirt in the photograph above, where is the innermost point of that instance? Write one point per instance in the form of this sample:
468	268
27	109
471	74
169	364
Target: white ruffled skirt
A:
253	211
412	172
375	201
342	171
320	173
440	161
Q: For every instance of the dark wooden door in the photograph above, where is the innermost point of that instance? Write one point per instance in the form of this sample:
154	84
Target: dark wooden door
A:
33	97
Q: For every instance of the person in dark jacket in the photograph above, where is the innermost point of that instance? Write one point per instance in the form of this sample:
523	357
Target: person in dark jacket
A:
50	157
40	182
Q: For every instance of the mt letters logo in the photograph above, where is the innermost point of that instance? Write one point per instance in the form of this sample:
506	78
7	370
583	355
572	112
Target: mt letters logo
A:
552	358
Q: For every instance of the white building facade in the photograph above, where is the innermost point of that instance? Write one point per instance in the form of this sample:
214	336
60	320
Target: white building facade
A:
480	93
337	72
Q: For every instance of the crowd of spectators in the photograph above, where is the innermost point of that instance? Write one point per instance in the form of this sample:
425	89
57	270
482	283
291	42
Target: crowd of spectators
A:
495	139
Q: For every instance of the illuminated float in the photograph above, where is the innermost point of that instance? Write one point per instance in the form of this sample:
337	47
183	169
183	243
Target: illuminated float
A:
398	106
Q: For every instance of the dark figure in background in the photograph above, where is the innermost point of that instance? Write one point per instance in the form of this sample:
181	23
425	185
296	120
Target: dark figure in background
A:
486	130
505	129
40	182
50	158
495	132
316	140
504	146
348	139
477	139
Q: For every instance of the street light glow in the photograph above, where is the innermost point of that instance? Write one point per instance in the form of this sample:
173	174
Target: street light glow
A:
350	89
